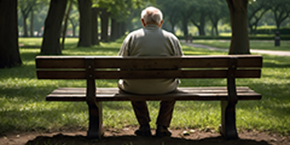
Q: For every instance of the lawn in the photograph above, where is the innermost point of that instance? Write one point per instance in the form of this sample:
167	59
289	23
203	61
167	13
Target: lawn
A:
23	106
254	44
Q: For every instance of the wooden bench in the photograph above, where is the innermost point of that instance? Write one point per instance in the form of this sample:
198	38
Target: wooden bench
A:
91	68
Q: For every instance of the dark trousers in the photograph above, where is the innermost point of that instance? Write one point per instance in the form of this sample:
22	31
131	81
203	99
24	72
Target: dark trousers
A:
164	116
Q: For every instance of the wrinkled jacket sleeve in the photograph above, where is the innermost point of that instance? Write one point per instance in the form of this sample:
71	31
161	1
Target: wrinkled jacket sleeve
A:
178	50
124	51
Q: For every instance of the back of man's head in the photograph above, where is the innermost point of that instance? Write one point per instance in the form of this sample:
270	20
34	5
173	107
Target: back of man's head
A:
151	15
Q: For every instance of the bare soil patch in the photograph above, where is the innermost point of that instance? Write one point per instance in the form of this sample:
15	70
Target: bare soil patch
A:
126	136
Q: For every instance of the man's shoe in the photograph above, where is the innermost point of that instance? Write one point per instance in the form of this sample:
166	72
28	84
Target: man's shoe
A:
162	131
144	130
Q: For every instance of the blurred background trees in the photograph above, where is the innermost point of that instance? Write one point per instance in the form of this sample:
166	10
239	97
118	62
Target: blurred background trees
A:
183	17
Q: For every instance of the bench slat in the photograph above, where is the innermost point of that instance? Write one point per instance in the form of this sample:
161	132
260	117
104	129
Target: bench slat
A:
148	74
143	63
184	93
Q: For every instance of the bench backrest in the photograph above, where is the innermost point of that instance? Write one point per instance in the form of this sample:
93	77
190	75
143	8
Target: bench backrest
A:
116	67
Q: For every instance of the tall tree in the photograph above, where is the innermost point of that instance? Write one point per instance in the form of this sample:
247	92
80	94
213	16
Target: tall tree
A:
240	39
256	10
65	24
74	19
85	8
9	50
281	10
95	26
185	12
169	9
26	7
118	11
217	10
199	15
52	28
104	24
31	23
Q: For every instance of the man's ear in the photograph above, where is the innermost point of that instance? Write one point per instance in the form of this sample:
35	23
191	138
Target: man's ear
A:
143	22
161	23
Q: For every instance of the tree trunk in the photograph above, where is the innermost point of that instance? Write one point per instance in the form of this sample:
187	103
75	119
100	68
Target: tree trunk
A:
212	31
172	23
214	21
114	29
25	34
85	8
240	38
73	27
65	25
123	28
95	25
52	28
31	24
172	28
216	30
202	24
9	50
251	28
184	26
104	25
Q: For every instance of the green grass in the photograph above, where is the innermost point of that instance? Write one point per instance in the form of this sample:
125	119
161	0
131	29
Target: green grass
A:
254	44
23	106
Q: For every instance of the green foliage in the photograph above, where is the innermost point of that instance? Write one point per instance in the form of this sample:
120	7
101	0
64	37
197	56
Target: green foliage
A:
120	8
23	106
282	31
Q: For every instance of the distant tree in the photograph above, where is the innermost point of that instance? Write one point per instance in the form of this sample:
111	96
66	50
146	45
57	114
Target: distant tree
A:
74	19
36	18
117	11
9	49
26	7
217	10
281	10
119	14
256	11
240	38
66	23
186	11
52	28
95	26
169	9
104	15
85	8
200	13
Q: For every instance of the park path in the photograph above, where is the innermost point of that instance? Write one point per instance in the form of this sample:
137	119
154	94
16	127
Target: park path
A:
270	52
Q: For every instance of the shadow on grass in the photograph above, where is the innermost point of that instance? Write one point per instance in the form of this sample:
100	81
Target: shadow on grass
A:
134	140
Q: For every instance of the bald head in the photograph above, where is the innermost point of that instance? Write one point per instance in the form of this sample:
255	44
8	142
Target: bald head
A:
151	15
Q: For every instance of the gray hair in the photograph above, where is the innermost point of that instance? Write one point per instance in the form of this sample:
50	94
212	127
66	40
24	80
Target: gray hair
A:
152	14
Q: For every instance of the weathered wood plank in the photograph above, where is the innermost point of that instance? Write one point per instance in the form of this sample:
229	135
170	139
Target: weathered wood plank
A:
143	63
152	74
184	93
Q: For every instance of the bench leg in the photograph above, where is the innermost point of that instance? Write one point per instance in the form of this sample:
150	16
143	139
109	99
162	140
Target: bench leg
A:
95	121
228	126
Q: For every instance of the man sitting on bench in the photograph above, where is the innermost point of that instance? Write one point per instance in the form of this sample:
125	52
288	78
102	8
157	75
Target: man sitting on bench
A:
151	41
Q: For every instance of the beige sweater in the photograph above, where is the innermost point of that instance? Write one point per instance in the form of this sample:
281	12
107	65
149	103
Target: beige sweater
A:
150	41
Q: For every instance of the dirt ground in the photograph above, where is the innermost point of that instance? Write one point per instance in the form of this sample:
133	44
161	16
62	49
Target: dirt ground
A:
126	136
